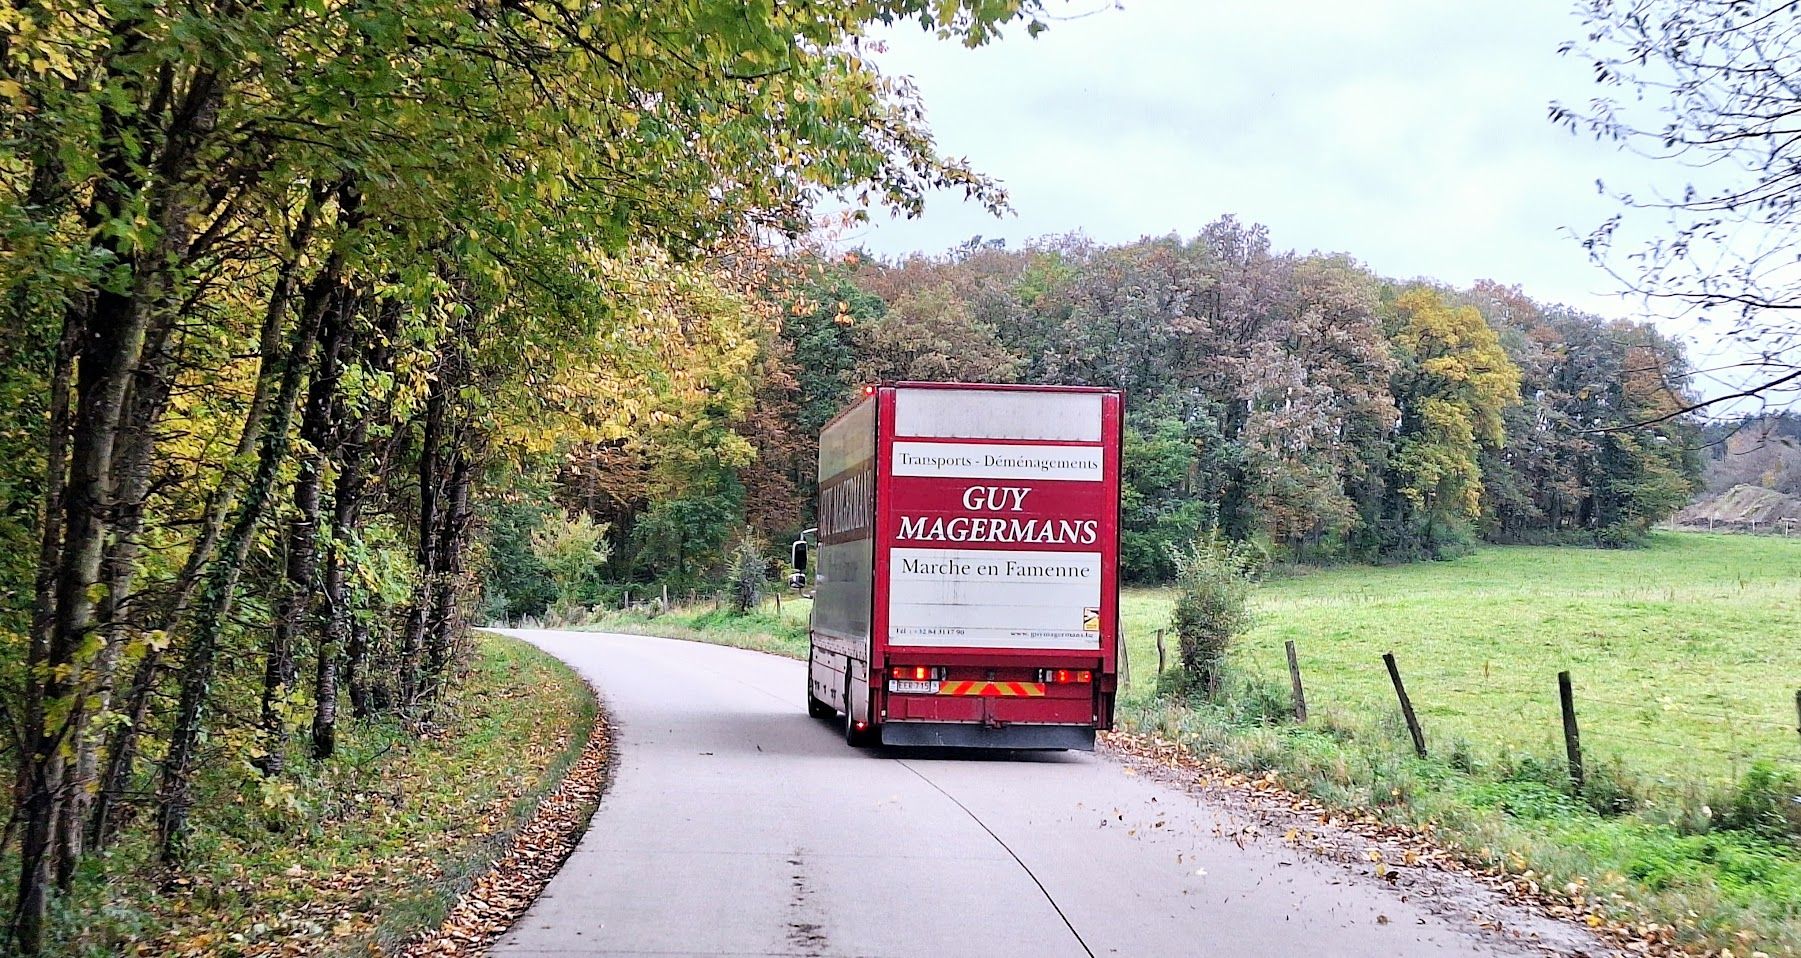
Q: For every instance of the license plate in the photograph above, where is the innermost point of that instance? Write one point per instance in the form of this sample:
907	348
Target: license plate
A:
910	685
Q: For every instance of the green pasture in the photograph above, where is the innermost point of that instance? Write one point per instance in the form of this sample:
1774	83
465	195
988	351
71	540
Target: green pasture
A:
1685	655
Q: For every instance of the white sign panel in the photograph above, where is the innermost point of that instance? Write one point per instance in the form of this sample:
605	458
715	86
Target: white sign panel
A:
994	598
988	460
998	414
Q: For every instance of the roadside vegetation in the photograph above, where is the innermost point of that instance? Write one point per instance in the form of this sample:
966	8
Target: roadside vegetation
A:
1684	665
356	854
298	300
1683	654
764	628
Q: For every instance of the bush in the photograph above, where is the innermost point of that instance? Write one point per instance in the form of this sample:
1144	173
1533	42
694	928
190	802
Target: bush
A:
1610	788
1622	535
1766	802
574	553
1214	577
747	575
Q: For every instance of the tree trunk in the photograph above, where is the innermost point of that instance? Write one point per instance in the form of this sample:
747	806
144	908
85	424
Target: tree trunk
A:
113	342
347	491
146	402
449	563
173	794
418	614
49	552
302	546
336	595
121	746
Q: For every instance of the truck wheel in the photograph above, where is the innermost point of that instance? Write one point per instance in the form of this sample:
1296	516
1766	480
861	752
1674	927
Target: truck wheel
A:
853	736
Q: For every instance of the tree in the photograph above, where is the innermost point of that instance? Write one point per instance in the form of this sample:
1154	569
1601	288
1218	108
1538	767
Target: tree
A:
930	334
748	575
1160	508
573	550
1452	387
1708	87
1214	578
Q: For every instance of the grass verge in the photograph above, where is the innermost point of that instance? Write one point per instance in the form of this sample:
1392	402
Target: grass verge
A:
355	855
779	631
1684	667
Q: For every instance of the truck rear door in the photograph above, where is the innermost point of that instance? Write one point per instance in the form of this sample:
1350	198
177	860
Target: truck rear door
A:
996	556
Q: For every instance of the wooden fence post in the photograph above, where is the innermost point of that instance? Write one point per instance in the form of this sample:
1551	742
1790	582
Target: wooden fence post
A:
1125	663
1798	711
1572	735
778	603
1159	653
1413	722
1294	679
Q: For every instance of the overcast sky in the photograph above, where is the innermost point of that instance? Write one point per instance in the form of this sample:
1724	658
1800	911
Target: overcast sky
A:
1411	134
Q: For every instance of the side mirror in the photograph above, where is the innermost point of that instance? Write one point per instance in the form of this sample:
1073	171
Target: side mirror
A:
800	555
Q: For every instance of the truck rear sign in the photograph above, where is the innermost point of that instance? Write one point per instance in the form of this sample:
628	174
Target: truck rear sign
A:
967	586
998	543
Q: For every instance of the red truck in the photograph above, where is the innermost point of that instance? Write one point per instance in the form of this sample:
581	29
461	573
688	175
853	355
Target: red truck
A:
966	591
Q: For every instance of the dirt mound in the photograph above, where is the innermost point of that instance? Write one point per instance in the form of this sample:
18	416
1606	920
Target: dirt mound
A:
1743	507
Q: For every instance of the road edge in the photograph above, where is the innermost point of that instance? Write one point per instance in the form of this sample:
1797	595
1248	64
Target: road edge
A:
537	850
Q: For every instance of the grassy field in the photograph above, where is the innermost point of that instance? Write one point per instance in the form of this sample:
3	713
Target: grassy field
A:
356	855
1685	655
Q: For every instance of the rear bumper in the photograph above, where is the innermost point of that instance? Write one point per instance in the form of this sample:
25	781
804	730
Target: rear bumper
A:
970	735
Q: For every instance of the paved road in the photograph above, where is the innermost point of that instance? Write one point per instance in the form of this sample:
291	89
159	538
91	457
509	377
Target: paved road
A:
736	825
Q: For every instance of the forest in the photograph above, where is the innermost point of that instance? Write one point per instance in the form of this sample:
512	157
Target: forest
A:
1300	403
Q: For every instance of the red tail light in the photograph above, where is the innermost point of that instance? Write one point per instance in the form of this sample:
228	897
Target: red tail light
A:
1066	676
917	673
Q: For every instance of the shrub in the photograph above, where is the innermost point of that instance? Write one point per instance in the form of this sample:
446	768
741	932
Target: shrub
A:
747	575
1766	802
1610	788
573	553
1214	577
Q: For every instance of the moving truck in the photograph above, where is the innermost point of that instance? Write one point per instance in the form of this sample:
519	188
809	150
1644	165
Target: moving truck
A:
966	590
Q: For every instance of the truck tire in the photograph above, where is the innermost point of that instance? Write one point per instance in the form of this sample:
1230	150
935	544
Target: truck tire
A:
853	736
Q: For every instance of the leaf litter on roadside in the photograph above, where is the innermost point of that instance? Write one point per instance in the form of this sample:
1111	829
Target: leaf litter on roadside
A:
1407	848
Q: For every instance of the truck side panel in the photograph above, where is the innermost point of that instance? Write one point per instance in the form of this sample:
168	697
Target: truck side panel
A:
844	576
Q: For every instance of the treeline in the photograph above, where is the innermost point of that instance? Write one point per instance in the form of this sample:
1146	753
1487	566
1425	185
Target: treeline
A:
292	293
1299	403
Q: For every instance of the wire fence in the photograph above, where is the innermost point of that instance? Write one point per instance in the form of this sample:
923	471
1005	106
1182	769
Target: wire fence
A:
1664	731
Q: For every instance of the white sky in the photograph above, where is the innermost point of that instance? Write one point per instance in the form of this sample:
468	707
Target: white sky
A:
1411	134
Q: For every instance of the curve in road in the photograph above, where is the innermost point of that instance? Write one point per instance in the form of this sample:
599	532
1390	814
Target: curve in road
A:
736	825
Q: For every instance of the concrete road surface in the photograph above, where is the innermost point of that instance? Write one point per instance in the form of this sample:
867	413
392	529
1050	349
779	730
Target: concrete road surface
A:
736	825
